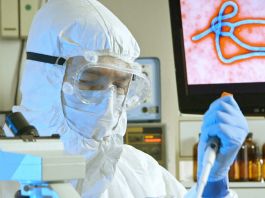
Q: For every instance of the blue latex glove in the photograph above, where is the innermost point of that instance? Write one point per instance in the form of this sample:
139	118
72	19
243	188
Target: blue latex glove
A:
225	120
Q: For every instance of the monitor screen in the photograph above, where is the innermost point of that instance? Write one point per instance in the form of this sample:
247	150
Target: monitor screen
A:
219	46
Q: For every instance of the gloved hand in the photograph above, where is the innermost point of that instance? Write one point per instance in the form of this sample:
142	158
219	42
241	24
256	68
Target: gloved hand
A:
225	120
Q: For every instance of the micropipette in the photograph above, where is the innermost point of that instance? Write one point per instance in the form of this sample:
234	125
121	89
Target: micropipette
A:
208	159
207	163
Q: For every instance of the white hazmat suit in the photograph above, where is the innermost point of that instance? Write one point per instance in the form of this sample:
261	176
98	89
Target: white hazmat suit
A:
85	28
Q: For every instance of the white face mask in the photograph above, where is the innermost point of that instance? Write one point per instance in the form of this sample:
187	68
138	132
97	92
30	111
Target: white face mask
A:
93	120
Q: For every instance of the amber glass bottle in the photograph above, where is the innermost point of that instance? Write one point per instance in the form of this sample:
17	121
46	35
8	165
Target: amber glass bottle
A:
246	157
195	160
263	164
256	166
234	173
252	157
243	162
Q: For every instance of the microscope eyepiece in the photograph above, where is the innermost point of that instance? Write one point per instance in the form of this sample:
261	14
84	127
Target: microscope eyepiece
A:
19	125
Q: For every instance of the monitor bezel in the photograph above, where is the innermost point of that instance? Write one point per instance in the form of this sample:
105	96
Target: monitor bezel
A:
250	96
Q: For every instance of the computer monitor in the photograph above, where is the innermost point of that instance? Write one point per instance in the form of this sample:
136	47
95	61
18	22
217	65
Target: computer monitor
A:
219	46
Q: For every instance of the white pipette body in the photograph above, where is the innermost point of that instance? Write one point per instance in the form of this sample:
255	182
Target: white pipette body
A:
207	164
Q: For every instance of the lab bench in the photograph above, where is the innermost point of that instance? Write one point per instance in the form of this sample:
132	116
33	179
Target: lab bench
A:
243	189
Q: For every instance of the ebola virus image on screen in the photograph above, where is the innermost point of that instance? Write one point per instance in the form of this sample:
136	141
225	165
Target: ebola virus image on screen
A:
224	41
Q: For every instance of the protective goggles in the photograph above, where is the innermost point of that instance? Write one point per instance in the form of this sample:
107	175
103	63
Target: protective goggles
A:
90	83
90	76
90	80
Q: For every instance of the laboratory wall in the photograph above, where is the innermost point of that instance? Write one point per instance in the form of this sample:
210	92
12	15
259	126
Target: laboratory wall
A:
9	64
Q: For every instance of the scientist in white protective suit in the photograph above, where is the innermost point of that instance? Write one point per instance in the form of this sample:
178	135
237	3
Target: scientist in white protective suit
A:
79	78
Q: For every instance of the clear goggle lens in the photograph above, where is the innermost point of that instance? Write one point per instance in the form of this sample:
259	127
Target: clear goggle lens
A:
90	84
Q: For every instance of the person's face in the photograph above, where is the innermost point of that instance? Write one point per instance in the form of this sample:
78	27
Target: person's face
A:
99	78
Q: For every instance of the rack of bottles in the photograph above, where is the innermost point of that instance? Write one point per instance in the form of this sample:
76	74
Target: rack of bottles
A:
249	164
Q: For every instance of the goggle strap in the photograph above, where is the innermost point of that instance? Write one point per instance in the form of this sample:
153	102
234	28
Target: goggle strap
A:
133	77
45	58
